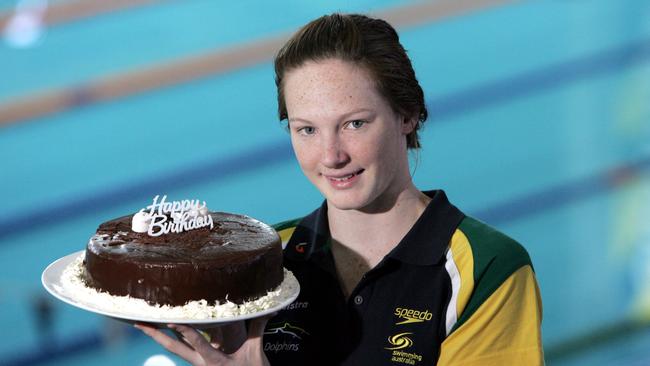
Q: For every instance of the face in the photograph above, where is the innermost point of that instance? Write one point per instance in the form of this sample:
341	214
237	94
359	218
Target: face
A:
348	141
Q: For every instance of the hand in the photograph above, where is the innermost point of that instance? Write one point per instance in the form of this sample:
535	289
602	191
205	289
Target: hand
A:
199	351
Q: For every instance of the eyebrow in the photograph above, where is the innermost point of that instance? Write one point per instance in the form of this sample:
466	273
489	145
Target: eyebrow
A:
343	116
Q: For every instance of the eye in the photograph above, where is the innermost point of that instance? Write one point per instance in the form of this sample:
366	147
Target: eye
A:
306	130
356	124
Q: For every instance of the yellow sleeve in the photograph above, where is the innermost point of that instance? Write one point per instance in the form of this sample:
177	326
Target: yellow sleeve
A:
504	330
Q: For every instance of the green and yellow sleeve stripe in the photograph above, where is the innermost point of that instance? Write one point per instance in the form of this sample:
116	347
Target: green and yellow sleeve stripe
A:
285	229
495	311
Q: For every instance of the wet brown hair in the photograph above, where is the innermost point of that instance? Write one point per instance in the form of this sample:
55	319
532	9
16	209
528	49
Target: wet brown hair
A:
366	42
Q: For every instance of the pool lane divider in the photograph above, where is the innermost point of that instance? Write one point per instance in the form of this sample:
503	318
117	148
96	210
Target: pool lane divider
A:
215	62
218	169
566	193
62	12
281	152
544	78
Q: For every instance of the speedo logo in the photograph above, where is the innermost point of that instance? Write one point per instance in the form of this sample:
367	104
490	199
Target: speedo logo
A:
412	316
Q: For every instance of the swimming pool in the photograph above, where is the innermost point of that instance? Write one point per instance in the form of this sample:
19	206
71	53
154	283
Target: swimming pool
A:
539	125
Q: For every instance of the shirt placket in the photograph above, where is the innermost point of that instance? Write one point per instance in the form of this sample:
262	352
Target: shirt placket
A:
361	297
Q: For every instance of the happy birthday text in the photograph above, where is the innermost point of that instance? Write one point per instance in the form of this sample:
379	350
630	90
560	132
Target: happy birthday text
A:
185	215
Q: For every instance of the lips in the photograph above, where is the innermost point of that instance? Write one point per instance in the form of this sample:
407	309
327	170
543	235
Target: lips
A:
343	178
344	181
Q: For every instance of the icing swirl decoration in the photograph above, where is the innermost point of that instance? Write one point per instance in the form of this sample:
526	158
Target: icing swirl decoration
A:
163	217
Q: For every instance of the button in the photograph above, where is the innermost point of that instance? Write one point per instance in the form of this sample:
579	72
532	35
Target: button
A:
358	299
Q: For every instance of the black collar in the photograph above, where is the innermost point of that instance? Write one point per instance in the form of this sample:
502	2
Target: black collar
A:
425	244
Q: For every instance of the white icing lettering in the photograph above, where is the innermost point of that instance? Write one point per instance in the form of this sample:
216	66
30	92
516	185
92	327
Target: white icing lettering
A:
158	222
185	215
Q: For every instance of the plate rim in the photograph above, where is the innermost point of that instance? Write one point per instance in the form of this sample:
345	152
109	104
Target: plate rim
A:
56	268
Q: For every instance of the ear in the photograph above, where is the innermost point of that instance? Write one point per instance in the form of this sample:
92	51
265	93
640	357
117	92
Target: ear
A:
408	124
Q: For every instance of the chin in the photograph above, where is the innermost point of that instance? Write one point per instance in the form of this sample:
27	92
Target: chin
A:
351	202
355	198
343	206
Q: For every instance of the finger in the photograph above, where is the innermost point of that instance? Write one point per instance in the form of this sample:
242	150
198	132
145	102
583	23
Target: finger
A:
170	344
182	339
253	345
216	337
198	341
234	335
256	326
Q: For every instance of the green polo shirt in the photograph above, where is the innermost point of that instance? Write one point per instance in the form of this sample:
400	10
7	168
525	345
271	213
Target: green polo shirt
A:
453	291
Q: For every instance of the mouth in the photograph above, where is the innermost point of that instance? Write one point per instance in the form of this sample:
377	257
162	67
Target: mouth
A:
344	178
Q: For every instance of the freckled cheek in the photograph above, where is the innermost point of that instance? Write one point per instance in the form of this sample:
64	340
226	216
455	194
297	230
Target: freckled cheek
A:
307	156
381	156
365	154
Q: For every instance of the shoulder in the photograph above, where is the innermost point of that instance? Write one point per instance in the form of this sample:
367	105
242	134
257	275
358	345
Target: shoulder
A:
484	259
286	229
491	249
287	224
495	313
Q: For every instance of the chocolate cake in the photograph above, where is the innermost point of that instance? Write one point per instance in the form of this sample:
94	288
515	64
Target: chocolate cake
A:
237	258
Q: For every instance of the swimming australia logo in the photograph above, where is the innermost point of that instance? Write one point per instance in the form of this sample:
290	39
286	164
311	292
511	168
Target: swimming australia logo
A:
400	341
287	328
400	355
412	316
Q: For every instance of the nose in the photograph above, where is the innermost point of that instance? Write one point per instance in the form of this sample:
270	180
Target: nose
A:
334	154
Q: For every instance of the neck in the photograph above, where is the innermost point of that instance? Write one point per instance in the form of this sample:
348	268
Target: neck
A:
373	233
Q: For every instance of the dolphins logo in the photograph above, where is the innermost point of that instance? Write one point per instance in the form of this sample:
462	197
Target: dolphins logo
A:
287	328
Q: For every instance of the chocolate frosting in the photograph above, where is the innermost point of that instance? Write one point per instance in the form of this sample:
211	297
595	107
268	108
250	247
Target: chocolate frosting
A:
239	259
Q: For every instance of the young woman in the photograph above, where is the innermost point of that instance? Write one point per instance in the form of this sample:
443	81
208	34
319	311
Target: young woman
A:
390	275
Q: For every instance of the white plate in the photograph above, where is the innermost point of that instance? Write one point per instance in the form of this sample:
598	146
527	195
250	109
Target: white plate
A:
51	279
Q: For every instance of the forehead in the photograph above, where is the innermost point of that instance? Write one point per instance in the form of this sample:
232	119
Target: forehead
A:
329	87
